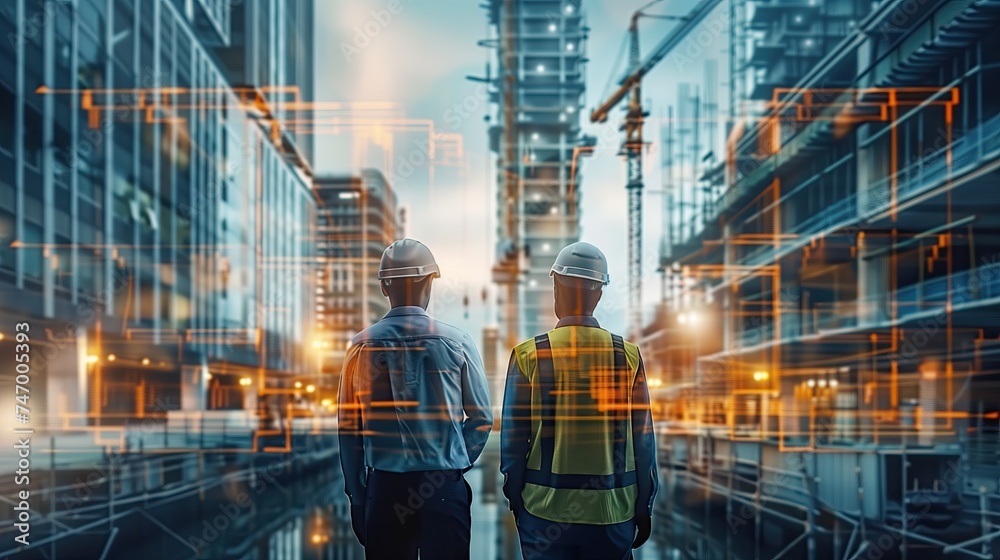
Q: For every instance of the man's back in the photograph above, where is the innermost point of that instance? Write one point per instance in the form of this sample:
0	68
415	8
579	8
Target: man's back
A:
590	396
414	414
410	379
588	406
577	448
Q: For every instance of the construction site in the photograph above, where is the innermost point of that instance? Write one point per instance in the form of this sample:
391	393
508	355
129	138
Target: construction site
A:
823	342
804	234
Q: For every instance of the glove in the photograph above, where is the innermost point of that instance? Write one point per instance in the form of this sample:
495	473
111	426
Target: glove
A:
643	527
358	522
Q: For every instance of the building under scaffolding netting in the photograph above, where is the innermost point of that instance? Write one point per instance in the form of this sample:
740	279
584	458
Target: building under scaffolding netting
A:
827	342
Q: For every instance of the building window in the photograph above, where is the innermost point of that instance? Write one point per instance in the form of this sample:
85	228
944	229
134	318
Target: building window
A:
32	250
7	116
7	225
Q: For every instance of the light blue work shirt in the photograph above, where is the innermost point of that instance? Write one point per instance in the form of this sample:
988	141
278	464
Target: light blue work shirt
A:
413	397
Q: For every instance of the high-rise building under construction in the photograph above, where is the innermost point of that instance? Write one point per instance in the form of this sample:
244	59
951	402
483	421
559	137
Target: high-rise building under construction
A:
827	351
538	89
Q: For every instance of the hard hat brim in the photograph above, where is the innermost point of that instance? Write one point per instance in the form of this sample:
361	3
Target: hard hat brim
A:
410	272
577	272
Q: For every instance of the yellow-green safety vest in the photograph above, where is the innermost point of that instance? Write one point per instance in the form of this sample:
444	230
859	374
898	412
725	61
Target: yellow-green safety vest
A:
581	464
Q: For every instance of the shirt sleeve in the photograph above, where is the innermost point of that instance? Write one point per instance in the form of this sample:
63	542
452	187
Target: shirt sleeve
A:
350	430
644	443
475	402
515	432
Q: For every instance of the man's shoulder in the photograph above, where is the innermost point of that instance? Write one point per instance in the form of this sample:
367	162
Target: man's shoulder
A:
385	329
449	331
630	347
632	353
367	333
527	346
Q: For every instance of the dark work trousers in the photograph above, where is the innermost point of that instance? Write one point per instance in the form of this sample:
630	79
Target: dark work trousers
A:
552	540
427	511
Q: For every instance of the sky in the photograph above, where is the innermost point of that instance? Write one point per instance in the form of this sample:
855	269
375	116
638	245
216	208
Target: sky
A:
418	59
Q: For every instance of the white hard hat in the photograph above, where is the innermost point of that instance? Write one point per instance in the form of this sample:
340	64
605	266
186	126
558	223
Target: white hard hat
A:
407	258
582	260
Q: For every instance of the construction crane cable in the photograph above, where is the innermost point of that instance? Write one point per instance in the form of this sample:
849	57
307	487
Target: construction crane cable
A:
647	5
667	17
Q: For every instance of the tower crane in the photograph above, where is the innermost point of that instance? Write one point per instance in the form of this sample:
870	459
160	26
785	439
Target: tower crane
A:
631	85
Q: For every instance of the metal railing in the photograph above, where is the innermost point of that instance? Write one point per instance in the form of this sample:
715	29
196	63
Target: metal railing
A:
927	171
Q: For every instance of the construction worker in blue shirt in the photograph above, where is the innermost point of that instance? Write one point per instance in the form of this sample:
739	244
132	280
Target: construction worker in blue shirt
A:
414	416
578	451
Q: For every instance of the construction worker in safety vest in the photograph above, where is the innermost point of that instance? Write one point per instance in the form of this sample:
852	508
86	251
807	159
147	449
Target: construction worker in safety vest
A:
578	451
414	416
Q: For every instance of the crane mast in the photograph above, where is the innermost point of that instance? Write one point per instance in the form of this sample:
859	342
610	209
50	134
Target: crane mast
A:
631	85
632	150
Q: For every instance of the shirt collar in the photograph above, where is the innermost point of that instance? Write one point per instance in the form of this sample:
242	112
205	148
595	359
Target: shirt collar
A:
405	310
578	321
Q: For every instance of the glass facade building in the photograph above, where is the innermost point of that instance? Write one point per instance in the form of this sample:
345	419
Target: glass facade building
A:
833	318
156	226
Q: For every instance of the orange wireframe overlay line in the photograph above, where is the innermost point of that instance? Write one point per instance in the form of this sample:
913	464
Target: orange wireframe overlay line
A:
162	106
295	100
787	98
168	99
844	106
